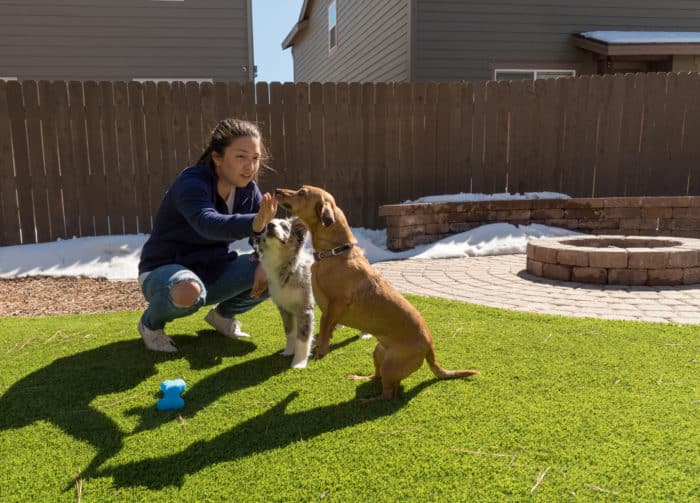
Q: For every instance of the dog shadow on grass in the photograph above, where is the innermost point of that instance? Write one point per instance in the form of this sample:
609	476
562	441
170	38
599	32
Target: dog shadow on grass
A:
273	429
232	378
63	392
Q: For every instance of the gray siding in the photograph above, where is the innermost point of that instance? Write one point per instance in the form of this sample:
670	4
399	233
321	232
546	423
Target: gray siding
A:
462	39
373	43
125	39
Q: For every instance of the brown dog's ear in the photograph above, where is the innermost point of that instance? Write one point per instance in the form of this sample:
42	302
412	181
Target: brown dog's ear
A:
299	230
325	213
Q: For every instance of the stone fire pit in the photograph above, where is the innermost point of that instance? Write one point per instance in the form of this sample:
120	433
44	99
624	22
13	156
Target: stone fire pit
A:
618	260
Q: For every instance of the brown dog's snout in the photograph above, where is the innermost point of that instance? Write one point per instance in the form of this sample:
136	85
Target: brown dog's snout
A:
279	192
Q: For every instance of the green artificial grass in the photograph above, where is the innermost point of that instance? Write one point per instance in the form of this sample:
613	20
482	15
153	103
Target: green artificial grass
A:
564	409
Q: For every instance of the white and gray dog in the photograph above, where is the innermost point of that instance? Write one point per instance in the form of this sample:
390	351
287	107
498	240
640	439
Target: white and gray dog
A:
288	267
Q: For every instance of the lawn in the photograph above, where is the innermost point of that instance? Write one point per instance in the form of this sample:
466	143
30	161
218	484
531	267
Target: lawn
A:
564	409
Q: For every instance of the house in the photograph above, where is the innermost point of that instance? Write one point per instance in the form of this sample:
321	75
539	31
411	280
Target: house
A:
203	40
456	40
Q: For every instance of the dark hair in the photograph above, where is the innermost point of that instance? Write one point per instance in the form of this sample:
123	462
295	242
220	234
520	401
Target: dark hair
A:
223	135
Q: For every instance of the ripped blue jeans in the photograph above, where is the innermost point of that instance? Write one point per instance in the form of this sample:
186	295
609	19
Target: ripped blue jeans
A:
231	291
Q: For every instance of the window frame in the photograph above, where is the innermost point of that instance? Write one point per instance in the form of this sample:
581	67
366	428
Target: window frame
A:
535	71
332	29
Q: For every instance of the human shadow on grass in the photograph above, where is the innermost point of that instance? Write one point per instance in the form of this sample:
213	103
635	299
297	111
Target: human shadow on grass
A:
233	378
273	429
62	392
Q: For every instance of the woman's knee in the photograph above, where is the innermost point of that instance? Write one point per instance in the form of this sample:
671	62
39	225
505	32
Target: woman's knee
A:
185	293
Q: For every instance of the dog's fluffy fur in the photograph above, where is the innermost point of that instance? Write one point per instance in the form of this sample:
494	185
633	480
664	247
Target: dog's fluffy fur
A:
288	267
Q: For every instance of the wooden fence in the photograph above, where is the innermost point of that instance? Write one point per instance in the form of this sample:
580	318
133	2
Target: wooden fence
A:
94	158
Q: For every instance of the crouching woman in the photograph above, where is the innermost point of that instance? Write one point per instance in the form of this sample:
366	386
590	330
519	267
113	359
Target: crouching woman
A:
186	263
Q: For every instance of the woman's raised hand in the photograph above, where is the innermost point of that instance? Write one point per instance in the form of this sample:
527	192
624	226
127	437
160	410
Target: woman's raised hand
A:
267	211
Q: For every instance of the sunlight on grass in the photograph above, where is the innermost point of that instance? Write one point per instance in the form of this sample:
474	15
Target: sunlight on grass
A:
564	408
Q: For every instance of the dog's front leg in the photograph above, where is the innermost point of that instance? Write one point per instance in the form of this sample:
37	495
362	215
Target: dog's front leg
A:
329	319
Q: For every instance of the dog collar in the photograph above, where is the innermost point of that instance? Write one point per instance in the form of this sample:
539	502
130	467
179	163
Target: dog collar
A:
331	253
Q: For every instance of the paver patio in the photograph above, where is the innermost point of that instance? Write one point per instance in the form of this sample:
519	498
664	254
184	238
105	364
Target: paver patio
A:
502	281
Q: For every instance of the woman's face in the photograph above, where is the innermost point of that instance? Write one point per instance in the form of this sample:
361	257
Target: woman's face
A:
240	162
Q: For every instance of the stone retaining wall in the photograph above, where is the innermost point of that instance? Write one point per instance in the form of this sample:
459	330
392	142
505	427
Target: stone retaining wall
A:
411	224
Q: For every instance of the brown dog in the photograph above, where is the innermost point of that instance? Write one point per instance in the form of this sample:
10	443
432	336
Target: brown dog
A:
350	291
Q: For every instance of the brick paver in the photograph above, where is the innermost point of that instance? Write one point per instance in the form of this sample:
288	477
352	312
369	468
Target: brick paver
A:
501	281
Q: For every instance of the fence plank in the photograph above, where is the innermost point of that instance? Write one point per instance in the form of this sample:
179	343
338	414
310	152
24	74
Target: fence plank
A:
609	138
392	144
96	209
9	214
268	179
50	98
342	143
404	173
37	160
110	156
466	150
547	102
632	123
330	132
442	139
248	100
432	143
379	130
302	133
125	183
154	166
182	156
196	139
210	116
353	201
167	150
290	133
478	161
654	155
276	139
81	159
70	171
369	166
315	168
140	157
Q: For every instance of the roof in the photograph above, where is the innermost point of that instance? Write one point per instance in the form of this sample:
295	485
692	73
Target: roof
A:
626	43
299	27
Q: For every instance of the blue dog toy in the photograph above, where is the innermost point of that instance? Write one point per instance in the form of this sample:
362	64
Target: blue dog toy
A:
171	395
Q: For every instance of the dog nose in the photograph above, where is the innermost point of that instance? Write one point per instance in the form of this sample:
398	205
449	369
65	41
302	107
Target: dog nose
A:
270	226
279	192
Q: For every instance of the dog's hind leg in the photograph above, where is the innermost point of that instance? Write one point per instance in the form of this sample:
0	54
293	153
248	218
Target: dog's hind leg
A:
395	369
378	357
302	344
289	330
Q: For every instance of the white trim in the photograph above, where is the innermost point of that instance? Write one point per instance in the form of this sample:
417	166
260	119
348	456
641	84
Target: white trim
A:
9	78
534	71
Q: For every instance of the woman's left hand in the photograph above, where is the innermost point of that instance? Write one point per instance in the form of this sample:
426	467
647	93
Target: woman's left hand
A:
259	282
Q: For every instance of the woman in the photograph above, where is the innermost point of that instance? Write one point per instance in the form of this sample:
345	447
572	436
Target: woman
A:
186	264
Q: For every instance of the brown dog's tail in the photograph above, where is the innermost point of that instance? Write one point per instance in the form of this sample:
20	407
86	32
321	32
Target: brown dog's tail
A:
441	373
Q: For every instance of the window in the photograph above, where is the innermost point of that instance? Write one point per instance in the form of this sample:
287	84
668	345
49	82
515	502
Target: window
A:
332	30
527	74
171	80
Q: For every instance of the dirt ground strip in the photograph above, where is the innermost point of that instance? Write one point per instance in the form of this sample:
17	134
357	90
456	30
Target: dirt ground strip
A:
47	296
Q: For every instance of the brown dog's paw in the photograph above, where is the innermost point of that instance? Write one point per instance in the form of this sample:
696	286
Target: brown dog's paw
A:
321	352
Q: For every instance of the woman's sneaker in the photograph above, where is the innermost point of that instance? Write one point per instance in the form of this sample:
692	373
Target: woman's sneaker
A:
156	340
230	327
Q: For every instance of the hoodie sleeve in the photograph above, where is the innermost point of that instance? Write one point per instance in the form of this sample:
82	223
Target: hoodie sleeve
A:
193	199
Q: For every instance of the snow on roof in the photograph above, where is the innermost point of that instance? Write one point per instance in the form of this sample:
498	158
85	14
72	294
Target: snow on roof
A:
644	37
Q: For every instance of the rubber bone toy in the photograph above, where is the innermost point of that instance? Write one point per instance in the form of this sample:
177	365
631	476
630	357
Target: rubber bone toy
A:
171	395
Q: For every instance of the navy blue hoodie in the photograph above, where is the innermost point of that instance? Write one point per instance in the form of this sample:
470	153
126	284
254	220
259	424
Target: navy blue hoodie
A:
193	227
